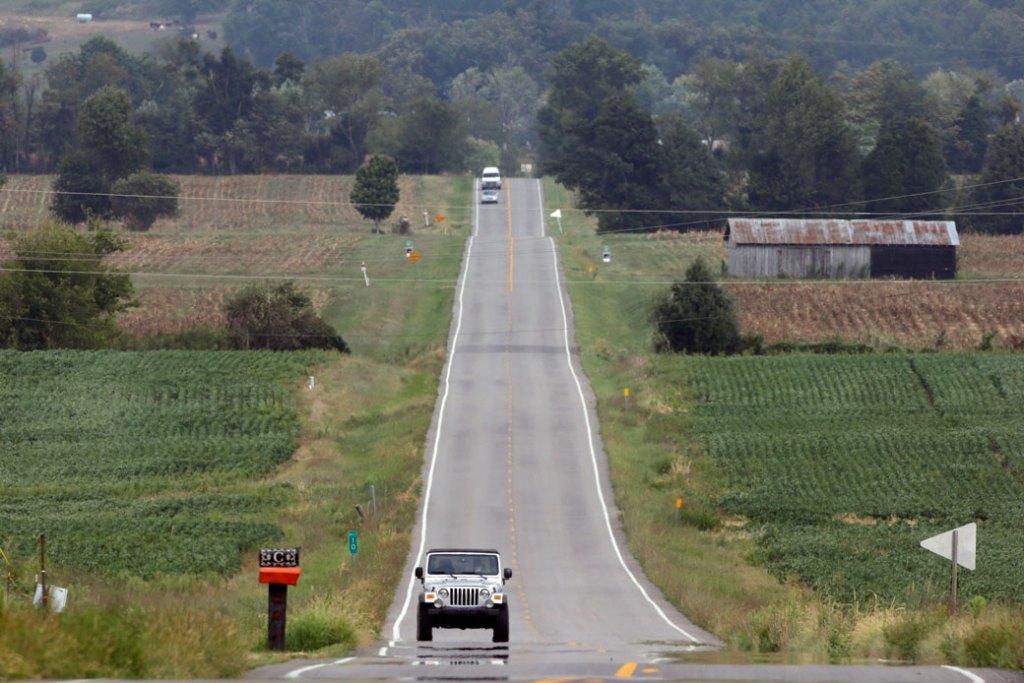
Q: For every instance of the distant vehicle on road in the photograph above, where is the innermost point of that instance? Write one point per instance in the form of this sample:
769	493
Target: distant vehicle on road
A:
463	589
490	178
489	197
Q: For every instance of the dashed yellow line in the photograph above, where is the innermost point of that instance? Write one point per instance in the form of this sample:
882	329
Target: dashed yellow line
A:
511	240
523	609
626	670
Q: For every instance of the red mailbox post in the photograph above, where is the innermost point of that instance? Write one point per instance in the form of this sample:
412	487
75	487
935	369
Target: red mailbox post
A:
279	568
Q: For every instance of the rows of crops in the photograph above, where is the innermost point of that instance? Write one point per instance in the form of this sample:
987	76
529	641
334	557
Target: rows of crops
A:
144	463
843	464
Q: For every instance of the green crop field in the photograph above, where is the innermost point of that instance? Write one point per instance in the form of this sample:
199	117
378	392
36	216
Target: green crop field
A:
145	464
843	464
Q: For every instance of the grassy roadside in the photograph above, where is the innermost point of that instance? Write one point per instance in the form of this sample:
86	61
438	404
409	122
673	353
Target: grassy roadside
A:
705	564
406	309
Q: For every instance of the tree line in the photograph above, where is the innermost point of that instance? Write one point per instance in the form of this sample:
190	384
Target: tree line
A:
773	136
701	133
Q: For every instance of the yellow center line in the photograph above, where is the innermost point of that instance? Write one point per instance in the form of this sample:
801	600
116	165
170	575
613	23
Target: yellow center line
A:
511	240
524	605
626	670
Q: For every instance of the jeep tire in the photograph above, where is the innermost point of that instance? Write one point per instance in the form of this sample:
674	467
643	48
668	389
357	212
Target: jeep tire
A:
424	631
501	626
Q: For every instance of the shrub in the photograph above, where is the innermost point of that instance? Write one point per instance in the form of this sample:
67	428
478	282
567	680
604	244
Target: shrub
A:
278	318
998	645
317	629
143	197
838	626
696	316
903	636
775	626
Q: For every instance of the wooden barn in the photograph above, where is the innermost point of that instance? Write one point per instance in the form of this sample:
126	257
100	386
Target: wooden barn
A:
840	249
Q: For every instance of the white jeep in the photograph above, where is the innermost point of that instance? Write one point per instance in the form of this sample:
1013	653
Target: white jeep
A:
463	589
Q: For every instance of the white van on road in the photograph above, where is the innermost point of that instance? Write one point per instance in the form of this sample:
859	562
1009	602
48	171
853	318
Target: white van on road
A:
490	178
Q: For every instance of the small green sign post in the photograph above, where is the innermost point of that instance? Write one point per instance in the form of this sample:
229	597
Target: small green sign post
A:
353	544
408	248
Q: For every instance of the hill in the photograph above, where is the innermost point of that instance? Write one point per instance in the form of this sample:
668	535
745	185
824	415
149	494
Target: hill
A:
785	462
233	231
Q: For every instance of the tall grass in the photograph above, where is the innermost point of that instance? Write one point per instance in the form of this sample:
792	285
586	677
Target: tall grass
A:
119	641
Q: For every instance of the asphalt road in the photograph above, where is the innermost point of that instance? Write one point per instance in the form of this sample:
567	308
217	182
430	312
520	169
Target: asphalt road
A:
514	462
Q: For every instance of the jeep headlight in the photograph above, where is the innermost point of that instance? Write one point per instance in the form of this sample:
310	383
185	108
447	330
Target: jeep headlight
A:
485	593
443	592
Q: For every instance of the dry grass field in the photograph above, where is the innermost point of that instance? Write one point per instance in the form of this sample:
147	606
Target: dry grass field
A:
232	230
986	300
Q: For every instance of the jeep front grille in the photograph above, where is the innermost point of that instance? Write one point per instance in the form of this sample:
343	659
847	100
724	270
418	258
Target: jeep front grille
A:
463	597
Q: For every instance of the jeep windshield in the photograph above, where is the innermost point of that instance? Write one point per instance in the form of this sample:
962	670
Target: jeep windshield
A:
444	563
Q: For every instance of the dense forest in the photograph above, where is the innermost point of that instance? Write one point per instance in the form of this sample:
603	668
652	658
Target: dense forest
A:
642	106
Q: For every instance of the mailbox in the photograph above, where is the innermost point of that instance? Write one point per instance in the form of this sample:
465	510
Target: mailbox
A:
288	576
279	568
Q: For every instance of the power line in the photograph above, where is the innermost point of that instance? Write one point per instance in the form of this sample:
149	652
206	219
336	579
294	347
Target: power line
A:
467	207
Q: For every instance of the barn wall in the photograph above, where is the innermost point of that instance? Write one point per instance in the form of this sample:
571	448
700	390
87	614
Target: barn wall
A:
774	260
921	262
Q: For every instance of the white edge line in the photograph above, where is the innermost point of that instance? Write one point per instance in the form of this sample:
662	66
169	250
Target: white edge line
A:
973	677
298	672
396	634
593	452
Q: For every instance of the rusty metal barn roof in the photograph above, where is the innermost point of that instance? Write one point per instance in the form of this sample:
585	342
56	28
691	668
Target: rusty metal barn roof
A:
797	231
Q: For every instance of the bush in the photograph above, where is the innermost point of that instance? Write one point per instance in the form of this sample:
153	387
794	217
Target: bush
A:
998	645
278	318
314	630
774	626
696	316
143	197
992	638
904	636
79	191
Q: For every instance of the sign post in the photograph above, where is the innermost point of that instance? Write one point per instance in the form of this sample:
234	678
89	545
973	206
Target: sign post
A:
353	544
606	254
279	567
42	569
959	546
557	214
408	248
